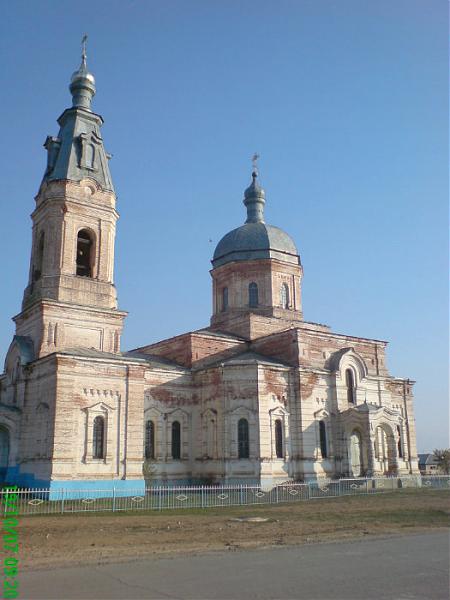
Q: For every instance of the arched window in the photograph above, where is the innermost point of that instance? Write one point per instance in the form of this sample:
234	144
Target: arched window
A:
253	295
323	439
399	443
85	250
285	295
350	382
150	440
98	438
224	299
279	438
176	440
210	432
37	272
243	439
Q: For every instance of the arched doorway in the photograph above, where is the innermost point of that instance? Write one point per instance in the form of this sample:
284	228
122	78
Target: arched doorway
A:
386	449
4	452
356	461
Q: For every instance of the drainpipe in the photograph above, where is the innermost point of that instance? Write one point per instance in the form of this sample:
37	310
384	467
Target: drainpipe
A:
125	432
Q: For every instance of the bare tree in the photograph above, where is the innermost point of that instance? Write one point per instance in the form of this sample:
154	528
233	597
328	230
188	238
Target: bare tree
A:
442	458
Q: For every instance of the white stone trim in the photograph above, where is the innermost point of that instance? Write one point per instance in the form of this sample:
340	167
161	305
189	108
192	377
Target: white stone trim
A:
99	409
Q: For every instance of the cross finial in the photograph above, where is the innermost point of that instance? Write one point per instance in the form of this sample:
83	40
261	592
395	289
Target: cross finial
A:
255	163
83	47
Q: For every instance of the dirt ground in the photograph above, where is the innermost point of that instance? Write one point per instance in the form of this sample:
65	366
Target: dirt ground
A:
49	541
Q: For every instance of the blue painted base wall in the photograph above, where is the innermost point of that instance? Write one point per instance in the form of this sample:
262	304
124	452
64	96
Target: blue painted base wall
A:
24	480
71	490
91	488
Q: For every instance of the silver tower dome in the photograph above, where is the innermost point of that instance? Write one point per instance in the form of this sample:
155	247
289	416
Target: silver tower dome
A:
82	83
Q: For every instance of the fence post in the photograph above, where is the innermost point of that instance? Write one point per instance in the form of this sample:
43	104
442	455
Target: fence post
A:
203	496
276	489
5	493
114	498
159	498
62	500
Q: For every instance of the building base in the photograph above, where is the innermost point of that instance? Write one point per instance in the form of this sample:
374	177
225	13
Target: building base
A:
92	489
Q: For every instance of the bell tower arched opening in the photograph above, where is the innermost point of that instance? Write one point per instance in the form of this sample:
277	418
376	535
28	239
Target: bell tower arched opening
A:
85	253
37	271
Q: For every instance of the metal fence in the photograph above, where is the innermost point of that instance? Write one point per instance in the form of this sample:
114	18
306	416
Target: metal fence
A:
42	501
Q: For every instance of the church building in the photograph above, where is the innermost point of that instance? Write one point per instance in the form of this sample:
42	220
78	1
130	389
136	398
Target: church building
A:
258	396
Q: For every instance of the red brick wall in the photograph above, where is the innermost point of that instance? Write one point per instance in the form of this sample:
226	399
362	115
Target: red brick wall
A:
283	345
195	348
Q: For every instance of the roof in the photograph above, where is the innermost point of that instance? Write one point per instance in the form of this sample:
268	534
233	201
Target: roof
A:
427	459
220	334
247	358
78	152
79	135
133	356
205	331
253	241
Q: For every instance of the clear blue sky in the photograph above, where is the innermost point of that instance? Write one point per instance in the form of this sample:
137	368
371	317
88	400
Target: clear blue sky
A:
346	101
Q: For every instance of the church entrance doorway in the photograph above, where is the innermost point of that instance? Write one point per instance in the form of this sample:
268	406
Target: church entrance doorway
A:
356	463
386	449
4	452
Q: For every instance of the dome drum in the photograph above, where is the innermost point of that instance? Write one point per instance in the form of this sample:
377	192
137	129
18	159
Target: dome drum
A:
266	287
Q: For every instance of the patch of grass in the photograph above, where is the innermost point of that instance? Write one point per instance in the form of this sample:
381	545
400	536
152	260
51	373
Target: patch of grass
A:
359	504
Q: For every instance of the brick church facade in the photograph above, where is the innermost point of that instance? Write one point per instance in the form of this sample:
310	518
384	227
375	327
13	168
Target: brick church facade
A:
260	395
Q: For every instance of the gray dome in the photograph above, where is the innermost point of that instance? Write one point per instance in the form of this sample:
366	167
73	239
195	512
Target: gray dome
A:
253	241
254	190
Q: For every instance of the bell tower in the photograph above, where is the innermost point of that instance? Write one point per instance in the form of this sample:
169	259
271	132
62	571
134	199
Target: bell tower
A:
70	300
